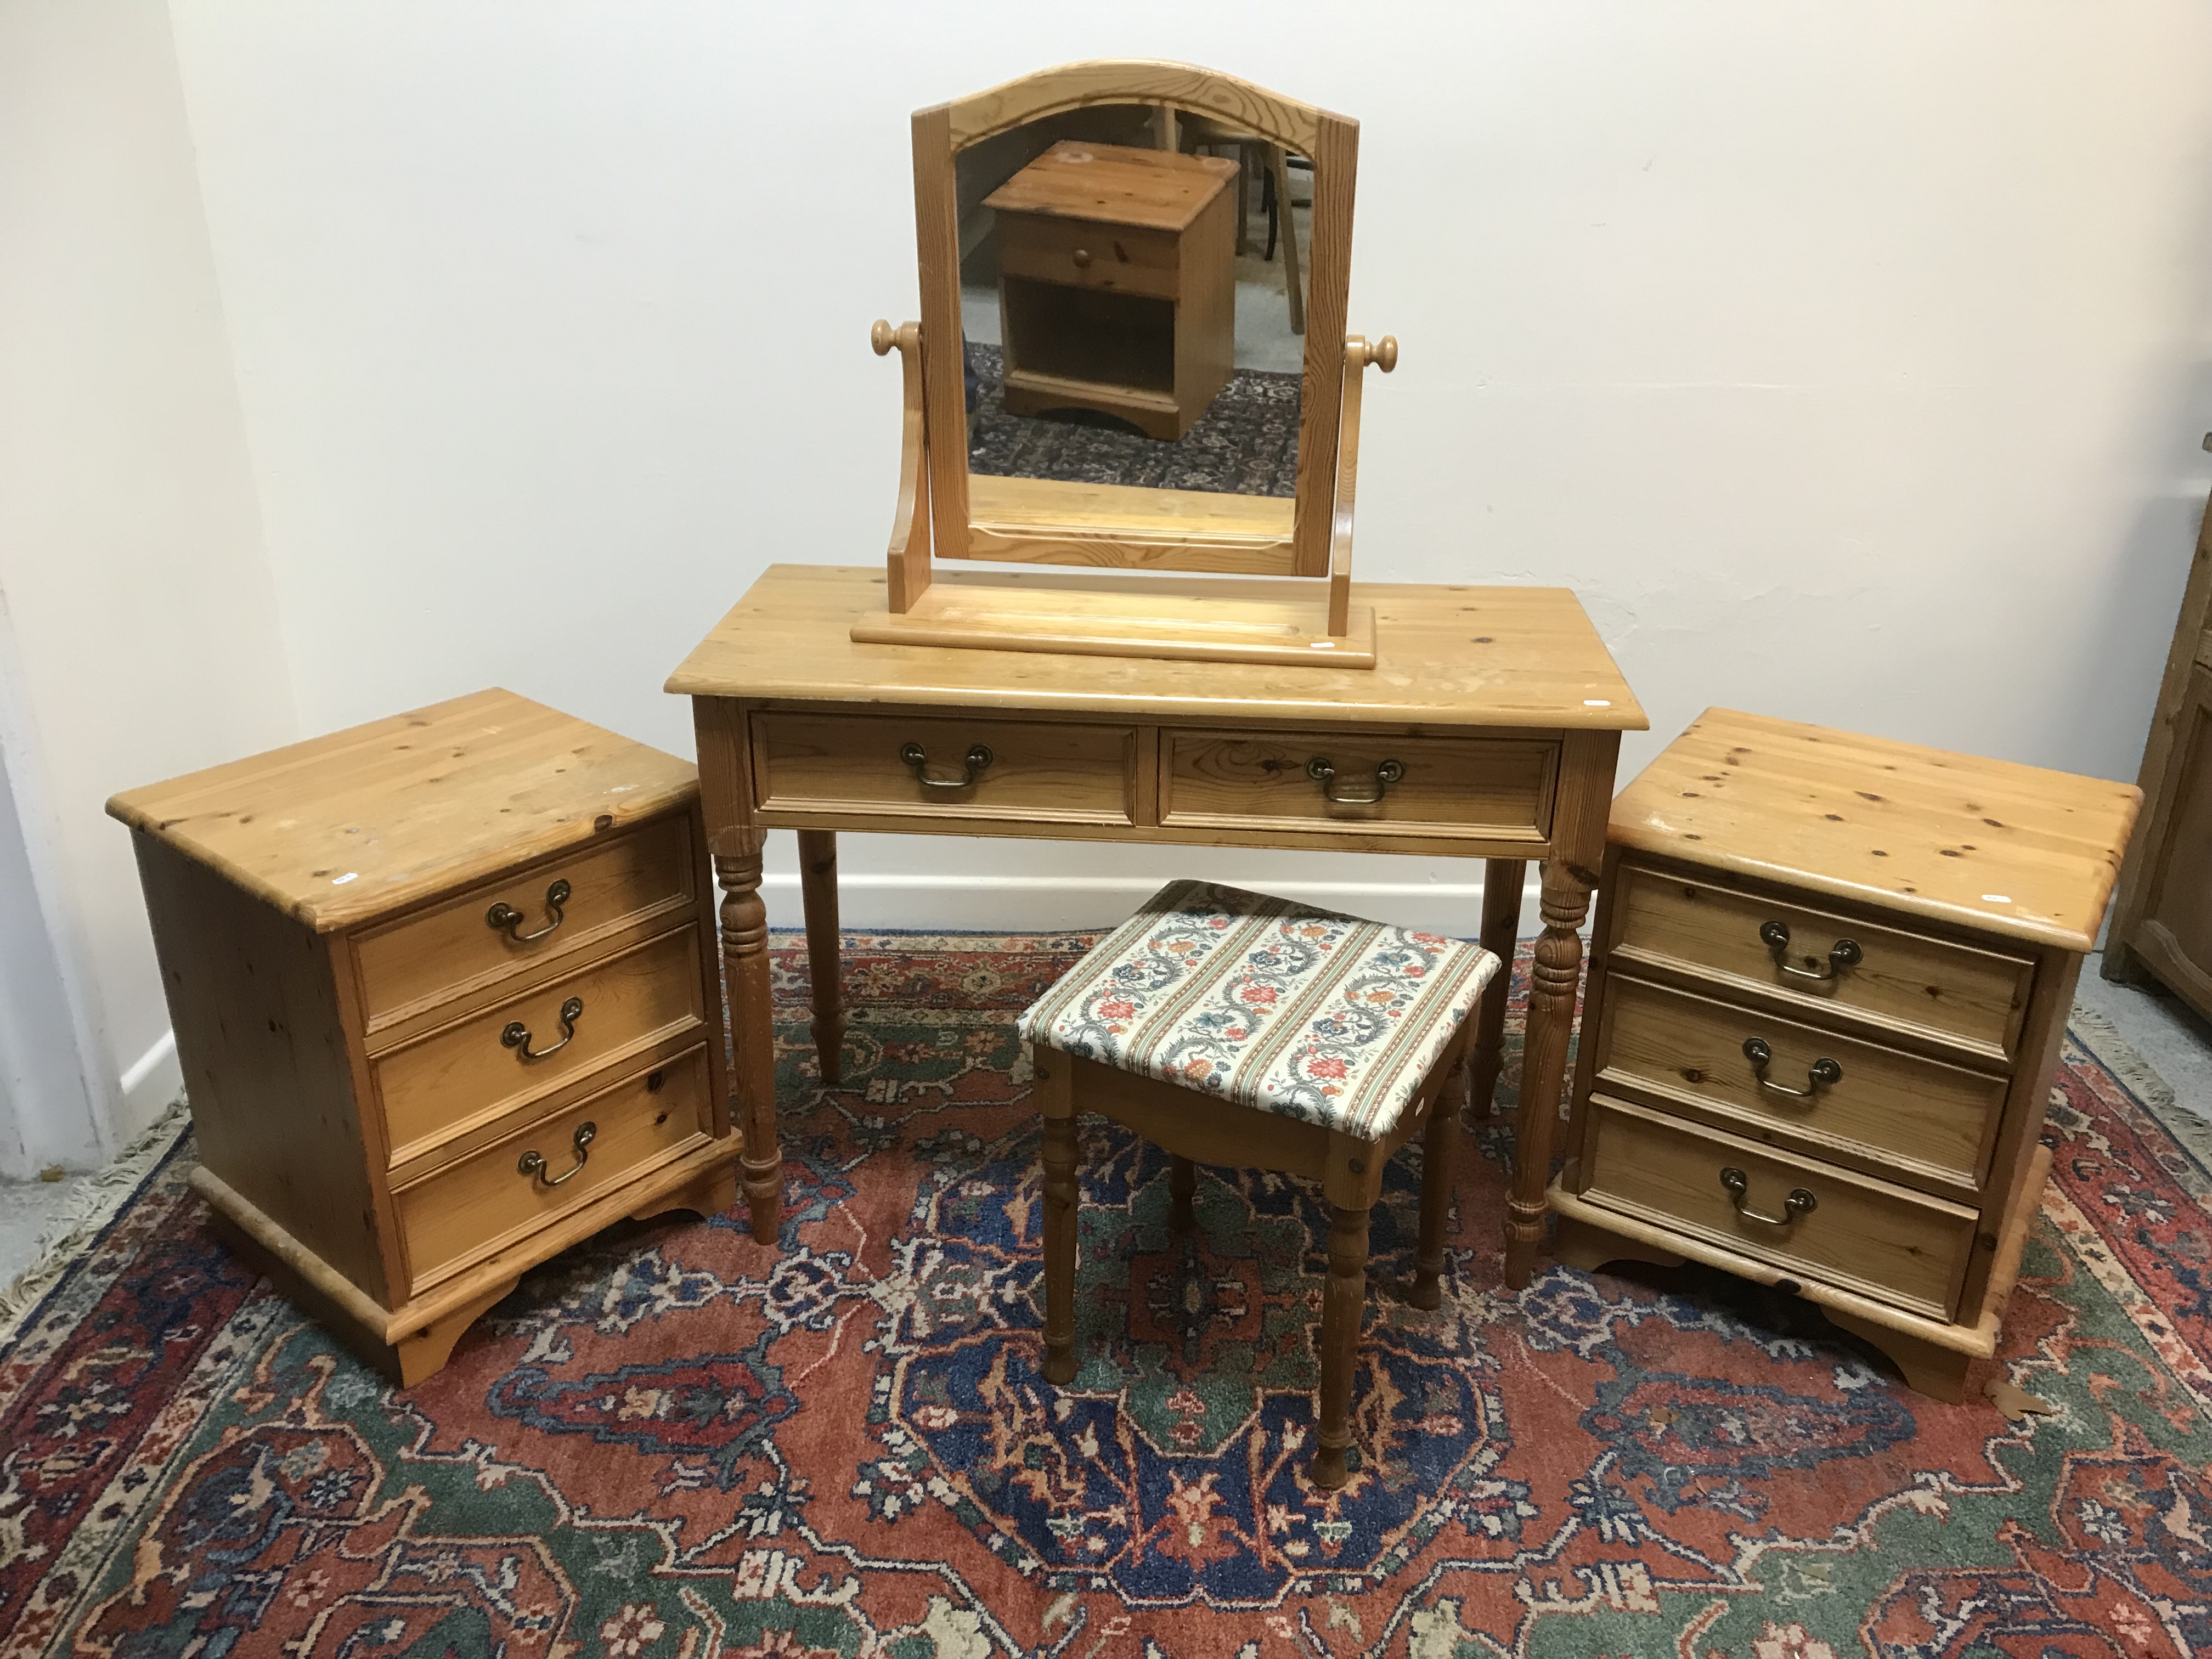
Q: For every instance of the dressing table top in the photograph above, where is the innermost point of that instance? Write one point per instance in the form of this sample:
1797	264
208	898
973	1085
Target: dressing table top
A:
1448	655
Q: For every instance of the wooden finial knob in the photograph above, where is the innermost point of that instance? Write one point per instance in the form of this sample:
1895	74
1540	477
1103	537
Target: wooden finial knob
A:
1384	354
882	336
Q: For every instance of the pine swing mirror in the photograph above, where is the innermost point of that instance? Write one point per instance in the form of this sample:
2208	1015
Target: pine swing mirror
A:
1109	373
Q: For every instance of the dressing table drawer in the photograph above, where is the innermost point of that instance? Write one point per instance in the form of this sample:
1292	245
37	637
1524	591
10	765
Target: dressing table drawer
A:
1474	788
1119	259
1883	1241
900	765
1924	1123
1973	996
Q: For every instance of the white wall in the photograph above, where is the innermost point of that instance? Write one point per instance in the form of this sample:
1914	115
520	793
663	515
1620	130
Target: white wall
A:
138	627
45	1093
1847	359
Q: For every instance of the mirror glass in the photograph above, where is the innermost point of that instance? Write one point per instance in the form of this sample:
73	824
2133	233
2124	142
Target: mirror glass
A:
1132	298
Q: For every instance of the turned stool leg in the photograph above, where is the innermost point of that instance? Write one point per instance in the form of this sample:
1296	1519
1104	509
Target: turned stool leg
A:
1437	1149
1182	1186
1056	1100
1344	1298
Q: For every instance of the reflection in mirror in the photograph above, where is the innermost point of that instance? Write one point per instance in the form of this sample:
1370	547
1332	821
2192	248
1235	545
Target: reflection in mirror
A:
1131	293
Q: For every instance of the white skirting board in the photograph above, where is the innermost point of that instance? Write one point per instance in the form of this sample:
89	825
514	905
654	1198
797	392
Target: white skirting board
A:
986	903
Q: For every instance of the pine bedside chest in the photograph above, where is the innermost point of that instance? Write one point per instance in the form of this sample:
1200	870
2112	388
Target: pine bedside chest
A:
1828	986
1117	283
444	990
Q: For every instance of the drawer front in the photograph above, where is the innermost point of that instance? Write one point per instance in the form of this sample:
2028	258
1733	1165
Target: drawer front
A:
488	1200
1931	1124
1863	1235
435	954
1974	997
467	1072
1479	788
1082	253
1011	771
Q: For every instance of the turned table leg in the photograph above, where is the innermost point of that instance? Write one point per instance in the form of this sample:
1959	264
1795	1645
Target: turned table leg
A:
744	962
1055	1100
818	882
1552	983
1343	1299
1502	880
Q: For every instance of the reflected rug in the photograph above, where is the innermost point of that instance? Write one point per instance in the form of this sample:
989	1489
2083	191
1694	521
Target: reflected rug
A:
1245	444
674	1443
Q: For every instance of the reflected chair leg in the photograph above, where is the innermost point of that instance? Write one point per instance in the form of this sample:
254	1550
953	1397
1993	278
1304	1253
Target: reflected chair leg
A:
1344	1298
1055	1099
1501	927
817	881
1244	200
1182	1186
1293	282
1441	1141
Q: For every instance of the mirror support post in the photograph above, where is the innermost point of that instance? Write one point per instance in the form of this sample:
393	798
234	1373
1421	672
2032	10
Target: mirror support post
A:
909	562
1358	354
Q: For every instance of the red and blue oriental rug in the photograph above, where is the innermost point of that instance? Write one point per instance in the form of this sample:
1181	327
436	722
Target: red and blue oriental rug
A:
672	1444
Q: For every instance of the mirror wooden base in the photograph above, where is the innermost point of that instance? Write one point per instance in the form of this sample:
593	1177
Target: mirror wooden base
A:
1932	1356
1217	622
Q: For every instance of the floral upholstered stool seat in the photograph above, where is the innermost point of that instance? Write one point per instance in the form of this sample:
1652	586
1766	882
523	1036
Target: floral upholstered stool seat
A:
1230	1027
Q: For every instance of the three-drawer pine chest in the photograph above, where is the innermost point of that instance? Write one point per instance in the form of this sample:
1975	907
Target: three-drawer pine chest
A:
446	992
1827	990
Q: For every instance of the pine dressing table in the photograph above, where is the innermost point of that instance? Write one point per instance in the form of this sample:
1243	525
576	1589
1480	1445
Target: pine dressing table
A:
1489	729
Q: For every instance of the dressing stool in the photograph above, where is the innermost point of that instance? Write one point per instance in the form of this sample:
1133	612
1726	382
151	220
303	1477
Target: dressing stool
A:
1227	1027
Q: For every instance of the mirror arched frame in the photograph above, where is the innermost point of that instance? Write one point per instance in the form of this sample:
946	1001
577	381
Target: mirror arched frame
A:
1331	141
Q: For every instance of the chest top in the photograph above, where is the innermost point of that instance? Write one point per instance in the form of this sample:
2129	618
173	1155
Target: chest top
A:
361	822
2012	850
1115	184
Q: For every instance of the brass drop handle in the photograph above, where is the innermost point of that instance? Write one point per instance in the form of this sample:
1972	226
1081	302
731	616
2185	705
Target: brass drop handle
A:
1843	953
533	1162
978	757
1798	1203
1387	773
504	917
517	1035
1819	1075
1082	257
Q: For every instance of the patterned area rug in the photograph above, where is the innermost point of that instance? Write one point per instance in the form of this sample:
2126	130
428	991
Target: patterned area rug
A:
1245	444
672	1444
